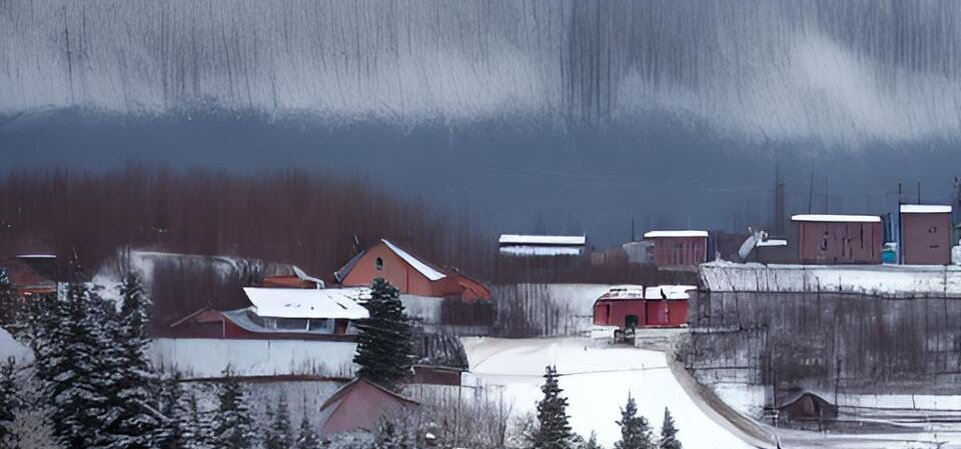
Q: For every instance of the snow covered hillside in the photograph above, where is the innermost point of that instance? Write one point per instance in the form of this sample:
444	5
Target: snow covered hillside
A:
887	280
596	377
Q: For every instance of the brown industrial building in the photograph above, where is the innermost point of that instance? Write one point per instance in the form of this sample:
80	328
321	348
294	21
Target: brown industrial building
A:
839	239
925	234
678	248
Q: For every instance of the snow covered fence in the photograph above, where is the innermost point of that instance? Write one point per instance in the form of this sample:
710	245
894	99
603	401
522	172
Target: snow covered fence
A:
882	280
209	357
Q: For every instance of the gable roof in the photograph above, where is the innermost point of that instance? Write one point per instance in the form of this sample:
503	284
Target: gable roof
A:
422	267
359	404
308	303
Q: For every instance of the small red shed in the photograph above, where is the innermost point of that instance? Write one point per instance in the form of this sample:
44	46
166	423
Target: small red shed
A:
678	248
359	405
633	306
839	239
925	234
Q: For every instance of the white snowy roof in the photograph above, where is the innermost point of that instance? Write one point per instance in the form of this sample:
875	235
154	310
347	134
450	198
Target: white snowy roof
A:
772	242
418	265
686	233
521	239
669	291
541	250
837	218
924	209
308	303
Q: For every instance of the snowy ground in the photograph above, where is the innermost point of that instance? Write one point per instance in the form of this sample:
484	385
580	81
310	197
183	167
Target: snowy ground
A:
596	377
9	347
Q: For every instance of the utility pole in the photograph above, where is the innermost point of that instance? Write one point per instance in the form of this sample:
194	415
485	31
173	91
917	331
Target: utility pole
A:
827	209
919	192
811	193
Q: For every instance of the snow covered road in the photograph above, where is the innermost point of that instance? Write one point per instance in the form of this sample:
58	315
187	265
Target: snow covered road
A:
596	377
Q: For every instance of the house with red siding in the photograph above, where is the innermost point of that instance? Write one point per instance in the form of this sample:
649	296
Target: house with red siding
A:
839	239
687	248
925	234
409	274
282	313
634	306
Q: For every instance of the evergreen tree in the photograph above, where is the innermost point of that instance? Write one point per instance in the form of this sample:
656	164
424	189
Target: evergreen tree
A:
635	431
71	368
9	404
384	346
554	430
234	427
393	434
591	442
197	426
668	433
308	437
8	299
169	434
278	434
129	382
270	437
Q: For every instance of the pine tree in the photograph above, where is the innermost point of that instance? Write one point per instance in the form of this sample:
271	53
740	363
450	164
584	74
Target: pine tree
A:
233	428
169	434
635	431
308	438
393	434
668	433
271	441
554	430
278	434
8	299
591	442
128	380
9	404
72	366
198	429
384	346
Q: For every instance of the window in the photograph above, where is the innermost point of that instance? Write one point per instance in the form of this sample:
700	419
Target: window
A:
379	264
933	230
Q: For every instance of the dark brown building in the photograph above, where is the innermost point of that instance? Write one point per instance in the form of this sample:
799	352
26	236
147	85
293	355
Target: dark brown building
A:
925	234
678	248
839	239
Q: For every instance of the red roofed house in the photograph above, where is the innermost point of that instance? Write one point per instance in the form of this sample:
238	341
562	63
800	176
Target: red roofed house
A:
359	405
31	274
408	273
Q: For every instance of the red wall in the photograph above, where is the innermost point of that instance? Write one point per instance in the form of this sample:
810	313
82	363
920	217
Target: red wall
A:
650	313
926	238
680	251
395	270
839	243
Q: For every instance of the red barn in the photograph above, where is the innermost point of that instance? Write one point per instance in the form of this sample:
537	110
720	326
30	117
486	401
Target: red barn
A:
408	274
678	248
925	234
839	239
633	306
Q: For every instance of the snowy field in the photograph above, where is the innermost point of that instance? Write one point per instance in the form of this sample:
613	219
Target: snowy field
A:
887	280
596	377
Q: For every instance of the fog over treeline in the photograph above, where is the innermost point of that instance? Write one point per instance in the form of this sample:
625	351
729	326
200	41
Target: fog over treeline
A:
580	116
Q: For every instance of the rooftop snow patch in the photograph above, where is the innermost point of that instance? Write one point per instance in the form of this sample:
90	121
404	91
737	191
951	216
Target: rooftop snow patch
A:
837	218
772	242
687	233
418	265
521	239
924	209
308	303
541	250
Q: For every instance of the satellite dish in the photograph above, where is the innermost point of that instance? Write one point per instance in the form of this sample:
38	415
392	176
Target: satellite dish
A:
750	243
